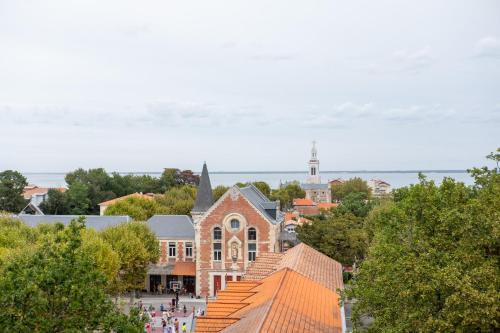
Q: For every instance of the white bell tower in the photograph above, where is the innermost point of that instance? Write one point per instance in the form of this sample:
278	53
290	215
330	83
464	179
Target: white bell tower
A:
314	177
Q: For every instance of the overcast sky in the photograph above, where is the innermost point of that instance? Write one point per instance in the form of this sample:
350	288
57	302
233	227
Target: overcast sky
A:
247	85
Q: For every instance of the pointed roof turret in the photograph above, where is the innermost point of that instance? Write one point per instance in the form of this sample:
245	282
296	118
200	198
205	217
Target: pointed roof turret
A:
204	198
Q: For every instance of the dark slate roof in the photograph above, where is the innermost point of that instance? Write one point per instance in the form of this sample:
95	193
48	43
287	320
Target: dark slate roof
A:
172	226
307	186
96	222
204	198
260	201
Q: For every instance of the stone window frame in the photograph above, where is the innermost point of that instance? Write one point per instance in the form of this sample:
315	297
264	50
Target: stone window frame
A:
248	241
217	241
174	248
186	247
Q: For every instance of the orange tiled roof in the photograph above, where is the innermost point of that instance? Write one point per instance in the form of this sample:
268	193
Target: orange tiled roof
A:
305	210
133	195
326	205
303	202
29	191
184	268
295	218
285	301
303	259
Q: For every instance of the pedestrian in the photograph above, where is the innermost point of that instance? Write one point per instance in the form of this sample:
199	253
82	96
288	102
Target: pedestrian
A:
184	328
162	307
169	329
148	327
163	323
176	325
168	317
184	309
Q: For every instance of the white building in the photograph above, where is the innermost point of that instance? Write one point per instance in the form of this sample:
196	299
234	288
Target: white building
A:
315	190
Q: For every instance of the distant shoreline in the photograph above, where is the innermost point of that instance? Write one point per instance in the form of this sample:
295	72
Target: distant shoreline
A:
269	172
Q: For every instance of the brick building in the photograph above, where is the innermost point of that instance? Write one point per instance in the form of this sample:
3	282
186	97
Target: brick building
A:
230	233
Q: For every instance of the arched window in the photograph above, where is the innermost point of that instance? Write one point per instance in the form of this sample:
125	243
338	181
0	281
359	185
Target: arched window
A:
252	244
252	234
217	233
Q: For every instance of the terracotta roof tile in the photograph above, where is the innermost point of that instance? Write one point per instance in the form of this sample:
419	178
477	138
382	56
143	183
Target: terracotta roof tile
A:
303	202
29	191
326	205
133	195
303	259
285	301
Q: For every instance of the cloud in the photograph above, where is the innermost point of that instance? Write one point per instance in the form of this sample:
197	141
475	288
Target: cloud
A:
488	47
413	61
273	57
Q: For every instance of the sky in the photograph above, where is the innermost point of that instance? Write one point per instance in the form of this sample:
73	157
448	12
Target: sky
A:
248	85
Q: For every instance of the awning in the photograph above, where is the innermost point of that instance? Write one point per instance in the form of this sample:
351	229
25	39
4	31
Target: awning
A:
184	268
160	269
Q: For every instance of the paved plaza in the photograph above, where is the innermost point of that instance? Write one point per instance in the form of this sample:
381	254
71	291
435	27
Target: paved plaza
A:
154	302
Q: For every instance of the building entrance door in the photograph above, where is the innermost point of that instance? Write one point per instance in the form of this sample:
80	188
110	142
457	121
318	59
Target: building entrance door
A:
217	284
154	282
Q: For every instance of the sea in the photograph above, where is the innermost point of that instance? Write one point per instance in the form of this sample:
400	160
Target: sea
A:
275	178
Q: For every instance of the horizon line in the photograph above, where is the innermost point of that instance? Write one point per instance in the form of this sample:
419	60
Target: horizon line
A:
273	172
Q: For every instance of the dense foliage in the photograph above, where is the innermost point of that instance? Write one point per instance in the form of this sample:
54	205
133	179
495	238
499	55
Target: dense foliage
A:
353	185
139	209
88	188
57	284
339	235
433	263
286	194
12	185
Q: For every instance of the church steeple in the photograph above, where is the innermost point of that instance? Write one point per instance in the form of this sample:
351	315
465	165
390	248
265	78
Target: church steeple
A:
314	177
204	198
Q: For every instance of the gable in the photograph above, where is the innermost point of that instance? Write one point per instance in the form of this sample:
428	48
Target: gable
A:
233	201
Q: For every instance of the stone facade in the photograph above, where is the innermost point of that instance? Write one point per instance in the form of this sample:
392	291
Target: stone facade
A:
235	216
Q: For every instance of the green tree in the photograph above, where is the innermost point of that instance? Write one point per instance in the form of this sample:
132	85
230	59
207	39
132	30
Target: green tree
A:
12	185
135	253
78	199
56	203
339	235
495	157
98	186
106	259
286	194
59	288
140	209
353	185
356	203
14	235
433	264
178	200
219	191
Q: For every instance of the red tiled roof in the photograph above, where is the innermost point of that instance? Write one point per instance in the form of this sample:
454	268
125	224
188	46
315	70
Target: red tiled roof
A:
303	259
303	202
306	210
326	205
184	268
133	195
29	191
285	301
294	218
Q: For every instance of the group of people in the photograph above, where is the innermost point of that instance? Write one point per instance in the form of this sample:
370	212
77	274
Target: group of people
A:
169	323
